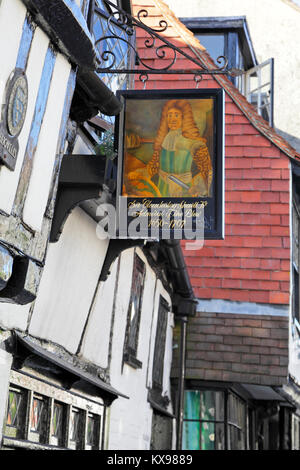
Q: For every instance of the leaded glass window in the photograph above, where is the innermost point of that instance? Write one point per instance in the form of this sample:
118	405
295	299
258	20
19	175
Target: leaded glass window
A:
160	343
58	423
15	418
92	433
119	51
44	420
38	418
134	309
75	428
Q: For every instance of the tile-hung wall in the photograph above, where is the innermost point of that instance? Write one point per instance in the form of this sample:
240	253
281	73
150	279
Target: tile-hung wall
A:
24	192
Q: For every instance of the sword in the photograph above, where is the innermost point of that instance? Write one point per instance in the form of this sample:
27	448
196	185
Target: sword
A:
179	182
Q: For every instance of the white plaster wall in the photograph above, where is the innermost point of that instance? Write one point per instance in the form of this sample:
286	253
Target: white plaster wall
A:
274	30
95	345
43	162
12	16
5	365
130	420
14	316
72	269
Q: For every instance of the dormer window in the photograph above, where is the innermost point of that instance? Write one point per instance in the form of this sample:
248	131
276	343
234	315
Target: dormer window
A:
230	37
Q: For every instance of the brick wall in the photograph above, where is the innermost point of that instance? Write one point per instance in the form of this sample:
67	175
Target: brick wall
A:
238	348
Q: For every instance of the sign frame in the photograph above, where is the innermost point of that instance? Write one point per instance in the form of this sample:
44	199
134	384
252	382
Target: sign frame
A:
212	203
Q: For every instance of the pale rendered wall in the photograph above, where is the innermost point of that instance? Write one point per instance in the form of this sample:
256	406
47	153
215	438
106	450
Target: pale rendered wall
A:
274	30
68	283
130	420
95	344
44	158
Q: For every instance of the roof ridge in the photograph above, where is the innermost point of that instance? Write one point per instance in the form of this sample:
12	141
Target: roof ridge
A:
238	98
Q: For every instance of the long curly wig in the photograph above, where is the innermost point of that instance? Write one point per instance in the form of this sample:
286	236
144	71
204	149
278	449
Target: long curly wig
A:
189	131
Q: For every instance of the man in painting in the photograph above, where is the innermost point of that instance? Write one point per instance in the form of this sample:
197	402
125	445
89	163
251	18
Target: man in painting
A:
180	163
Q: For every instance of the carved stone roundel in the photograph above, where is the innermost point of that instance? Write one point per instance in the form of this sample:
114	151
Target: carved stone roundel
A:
17	104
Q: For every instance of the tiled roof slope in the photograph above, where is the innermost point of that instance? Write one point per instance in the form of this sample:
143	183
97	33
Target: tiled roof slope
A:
252	263
192	42
235	348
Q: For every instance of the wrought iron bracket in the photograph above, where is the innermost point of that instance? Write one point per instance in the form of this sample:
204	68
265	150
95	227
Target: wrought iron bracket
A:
164	49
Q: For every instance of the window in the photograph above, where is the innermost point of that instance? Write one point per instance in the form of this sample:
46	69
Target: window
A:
230	37
295	432
58	424
213	420
295	272
42	421
16	413
236	423
117	47
160	344
204	427
257	85
39	411
134	312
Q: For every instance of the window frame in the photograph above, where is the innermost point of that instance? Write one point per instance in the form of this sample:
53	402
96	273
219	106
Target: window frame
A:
237	36
226	421
160	343
36	387
295	265
129	352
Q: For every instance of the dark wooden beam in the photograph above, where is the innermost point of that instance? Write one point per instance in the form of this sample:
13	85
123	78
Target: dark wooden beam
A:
81	178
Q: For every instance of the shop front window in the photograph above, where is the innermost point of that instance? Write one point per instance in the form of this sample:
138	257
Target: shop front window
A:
213	420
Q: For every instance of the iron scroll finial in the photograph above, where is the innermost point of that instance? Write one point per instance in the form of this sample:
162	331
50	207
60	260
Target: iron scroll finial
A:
118	19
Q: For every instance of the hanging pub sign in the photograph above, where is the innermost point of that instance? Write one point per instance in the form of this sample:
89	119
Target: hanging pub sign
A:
170	167
13	117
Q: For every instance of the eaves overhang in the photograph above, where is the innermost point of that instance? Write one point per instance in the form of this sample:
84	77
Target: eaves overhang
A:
66	26
26	346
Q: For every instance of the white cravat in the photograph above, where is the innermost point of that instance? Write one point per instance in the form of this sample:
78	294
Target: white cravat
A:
170	139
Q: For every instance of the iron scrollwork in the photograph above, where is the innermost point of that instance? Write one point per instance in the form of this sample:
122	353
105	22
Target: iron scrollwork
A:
163	48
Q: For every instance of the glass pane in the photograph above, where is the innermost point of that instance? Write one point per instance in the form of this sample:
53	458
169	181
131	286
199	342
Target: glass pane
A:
213	43
134	312
208	436
16	412
212	405
14	406
220	437
112	50
191	435
75	426
240	414
57	421
93	430
191	404
236	438
160	345
232	409
37	411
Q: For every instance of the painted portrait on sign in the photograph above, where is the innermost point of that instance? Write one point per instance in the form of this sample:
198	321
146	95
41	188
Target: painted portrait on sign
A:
168	148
